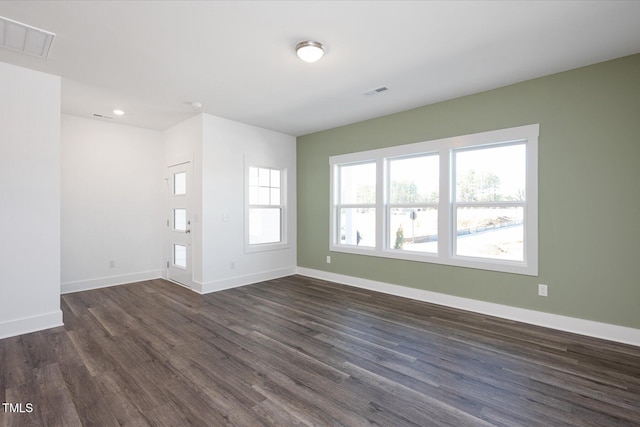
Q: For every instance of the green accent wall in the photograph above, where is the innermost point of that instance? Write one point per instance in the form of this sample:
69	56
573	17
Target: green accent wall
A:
589	192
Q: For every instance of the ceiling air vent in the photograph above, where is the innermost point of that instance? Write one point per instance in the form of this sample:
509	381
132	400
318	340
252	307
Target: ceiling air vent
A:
375	91
25	38
102	116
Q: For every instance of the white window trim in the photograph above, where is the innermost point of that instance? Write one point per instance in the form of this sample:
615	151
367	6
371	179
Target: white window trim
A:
284	243
446	229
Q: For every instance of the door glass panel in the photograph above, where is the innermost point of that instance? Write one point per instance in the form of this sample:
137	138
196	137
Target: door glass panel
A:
180	219
180	183
180	256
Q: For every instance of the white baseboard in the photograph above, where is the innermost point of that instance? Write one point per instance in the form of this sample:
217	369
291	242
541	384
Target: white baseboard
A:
234	282
25	325
590	328
103	282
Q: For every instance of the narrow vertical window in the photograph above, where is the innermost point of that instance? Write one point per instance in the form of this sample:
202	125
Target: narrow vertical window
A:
356	205
413	203
265	208
490	199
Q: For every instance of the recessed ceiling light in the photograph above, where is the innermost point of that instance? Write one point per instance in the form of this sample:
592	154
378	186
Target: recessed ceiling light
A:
118	112
309	51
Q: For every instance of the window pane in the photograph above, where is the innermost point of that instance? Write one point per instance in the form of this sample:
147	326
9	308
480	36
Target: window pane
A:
414	179
263	195
413	229
358	227
253	195
491	174
253	176
264	225
180	183
264	177
180	219
180	256
358	183
275	178
275	196
490	233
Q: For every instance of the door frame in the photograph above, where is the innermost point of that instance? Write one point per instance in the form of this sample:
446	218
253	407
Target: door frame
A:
173	236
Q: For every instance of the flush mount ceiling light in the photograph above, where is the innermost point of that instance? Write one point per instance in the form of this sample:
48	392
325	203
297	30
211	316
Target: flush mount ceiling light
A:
309	51
118	112
25	38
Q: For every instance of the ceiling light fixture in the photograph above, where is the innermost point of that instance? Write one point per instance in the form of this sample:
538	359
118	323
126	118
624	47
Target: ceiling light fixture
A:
309	51
118	112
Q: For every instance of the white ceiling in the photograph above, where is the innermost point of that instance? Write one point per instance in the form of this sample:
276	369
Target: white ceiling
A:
153	58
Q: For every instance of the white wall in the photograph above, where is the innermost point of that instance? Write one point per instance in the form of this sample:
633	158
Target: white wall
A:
225	145
217	148
183	143
30	201
113	204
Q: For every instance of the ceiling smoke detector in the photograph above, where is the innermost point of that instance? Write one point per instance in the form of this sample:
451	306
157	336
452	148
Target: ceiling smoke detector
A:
24	38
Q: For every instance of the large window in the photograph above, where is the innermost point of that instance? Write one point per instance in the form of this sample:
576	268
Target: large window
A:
265	208
467	201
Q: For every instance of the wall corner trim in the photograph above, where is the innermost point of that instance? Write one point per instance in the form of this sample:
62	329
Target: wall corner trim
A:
30	324
621	334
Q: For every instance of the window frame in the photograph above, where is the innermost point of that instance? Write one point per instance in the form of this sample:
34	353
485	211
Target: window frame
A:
390	205
339	206
282	206
445	148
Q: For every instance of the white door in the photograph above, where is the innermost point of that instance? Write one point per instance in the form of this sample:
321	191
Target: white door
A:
179	268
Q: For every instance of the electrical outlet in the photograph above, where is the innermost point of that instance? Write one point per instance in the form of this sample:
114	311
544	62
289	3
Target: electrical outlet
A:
543	290
232	265
328	259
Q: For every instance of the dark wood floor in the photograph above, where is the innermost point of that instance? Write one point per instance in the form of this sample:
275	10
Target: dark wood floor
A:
300	351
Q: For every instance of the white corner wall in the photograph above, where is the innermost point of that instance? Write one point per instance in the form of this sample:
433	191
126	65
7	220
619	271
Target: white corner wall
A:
217	148
113	203
226	143
183	143
30	197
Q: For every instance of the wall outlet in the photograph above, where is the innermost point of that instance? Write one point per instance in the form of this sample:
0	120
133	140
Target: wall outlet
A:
543	290
232	265
328	259
112	264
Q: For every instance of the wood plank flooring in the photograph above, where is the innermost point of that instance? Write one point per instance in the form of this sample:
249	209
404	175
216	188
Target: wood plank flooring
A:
304	352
